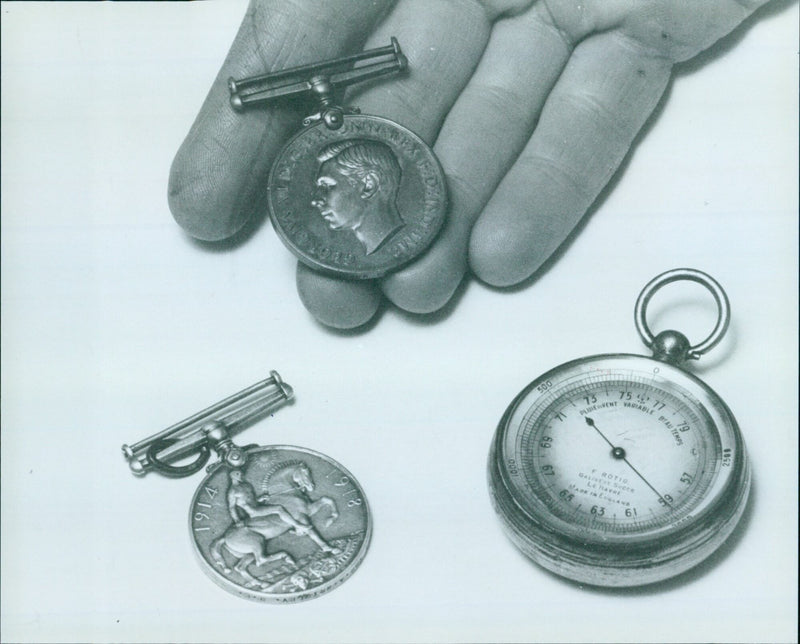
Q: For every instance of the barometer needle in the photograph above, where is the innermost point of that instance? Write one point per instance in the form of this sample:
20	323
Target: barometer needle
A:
619	453
590	422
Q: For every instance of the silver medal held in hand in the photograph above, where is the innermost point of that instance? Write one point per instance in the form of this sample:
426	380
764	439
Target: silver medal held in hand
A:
353	195
276	523
622	470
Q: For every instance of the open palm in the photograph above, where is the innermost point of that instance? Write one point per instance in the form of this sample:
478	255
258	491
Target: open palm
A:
530	105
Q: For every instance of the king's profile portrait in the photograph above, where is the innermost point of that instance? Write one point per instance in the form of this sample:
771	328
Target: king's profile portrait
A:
356	190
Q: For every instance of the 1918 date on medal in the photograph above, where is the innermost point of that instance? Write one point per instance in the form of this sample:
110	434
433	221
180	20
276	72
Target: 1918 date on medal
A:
353	195
288	525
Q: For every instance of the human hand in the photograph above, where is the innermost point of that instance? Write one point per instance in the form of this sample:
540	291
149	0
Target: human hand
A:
531	106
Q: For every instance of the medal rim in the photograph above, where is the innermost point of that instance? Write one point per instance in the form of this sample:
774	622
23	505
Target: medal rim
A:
282	598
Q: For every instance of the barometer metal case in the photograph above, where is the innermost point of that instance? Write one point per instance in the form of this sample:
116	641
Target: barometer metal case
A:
622	470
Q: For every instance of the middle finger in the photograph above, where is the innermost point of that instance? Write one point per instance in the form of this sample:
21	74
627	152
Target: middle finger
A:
480	139
443	42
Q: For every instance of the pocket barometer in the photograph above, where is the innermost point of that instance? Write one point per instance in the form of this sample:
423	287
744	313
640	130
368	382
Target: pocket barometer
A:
622	470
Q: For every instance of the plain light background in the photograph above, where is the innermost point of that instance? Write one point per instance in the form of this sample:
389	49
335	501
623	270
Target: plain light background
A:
115	325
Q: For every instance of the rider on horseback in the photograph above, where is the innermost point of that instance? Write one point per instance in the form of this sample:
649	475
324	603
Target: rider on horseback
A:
242	501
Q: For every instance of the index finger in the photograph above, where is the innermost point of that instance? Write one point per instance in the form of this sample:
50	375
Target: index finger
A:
216	179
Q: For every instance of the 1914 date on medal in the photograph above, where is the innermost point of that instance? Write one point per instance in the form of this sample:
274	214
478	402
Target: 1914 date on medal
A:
353	195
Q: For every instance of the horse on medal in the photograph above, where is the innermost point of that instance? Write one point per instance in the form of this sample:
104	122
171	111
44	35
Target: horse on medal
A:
285	506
